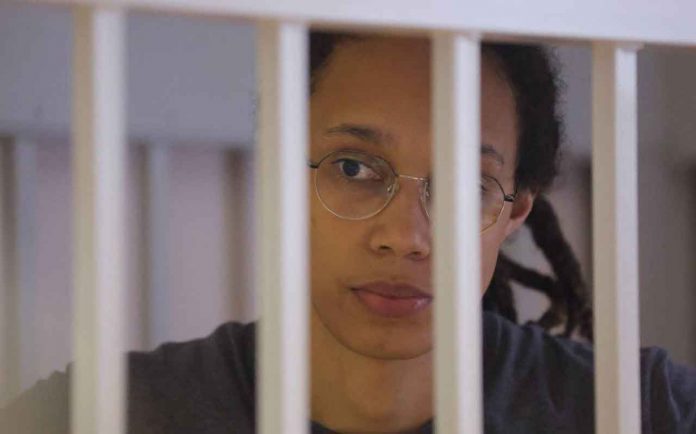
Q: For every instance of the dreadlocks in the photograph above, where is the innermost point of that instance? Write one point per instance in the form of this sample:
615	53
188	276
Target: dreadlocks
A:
567	291
533	78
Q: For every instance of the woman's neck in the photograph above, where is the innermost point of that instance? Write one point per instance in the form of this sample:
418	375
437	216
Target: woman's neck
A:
351	392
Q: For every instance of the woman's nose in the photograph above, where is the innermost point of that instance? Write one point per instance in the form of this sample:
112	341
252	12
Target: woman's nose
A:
403	227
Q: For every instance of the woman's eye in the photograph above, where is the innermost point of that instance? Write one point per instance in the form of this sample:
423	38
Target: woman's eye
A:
355	169
487	184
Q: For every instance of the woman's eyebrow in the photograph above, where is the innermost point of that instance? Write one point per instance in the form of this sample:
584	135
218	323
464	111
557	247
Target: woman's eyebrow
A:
366	133
489	151
379	137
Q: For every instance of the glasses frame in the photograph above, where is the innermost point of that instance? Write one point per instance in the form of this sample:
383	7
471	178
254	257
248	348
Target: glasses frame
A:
395	186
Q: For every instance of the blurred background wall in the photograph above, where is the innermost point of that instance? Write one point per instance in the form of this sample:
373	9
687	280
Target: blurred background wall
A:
190	186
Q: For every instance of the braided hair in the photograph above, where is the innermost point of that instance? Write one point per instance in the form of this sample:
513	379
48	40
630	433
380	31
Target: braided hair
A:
533	77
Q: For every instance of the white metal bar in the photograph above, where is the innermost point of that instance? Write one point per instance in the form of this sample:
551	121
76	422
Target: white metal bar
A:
283	253
158	242
615	238
666	22
98	164
26	225
456	119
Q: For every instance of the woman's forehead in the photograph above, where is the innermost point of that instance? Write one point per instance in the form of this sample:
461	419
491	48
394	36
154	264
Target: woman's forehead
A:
387	78
385	83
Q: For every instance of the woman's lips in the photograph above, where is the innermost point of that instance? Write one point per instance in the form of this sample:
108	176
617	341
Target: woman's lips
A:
392	300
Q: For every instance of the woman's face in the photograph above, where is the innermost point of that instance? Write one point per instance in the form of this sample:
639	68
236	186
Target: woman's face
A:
374	96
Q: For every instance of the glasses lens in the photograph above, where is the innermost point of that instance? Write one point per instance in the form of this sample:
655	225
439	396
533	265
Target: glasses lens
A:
427	197
354	185
492	201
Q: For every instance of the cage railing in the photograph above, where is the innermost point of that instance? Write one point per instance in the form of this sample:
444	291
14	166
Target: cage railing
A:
456	29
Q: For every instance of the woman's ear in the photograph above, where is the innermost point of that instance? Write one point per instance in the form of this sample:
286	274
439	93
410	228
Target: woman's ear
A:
521	207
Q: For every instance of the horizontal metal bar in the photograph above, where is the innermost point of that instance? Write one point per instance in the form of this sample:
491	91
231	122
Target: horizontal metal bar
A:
664	22
62	135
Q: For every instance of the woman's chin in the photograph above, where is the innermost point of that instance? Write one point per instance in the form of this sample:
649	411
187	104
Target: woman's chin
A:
391	350
370	335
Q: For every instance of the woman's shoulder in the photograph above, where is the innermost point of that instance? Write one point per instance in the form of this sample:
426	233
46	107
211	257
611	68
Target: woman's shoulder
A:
527	346
207	381
525	364
534	381
230	345
195	384
43	409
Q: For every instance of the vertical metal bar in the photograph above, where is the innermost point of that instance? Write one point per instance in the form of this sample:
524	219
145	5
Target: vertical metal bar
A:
283	253
98	164
239	223
158	242
9	317
137	329
456	120
26	225
615	221
6	377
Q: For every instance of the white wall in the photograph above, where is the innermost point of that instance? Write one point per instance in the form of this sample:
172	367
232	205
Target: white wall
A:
189	80
668	201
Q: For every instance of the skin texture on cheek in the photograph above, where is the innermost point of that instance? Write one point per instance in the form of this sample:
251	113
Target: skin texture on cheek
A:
337	261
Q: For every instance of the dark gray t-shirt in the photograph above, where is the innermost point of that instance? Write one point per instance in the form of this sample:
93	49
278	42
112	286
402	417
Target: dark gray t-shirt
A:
534	384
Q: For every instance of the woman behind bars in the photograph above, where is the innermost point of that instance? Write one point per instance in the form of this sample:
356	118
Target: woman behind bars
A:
371	271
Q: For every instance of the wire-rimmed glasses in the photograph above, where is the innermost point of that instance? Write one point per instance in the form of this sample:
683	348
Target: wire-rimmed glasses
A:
357	185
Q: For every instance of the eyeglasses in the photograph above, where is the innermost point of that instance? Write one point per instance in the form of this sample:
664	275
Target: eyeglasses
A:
356	185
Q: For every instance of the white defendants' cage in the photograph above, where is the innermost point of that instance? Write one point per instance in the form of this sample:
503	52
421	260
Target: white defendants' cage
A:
616	28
